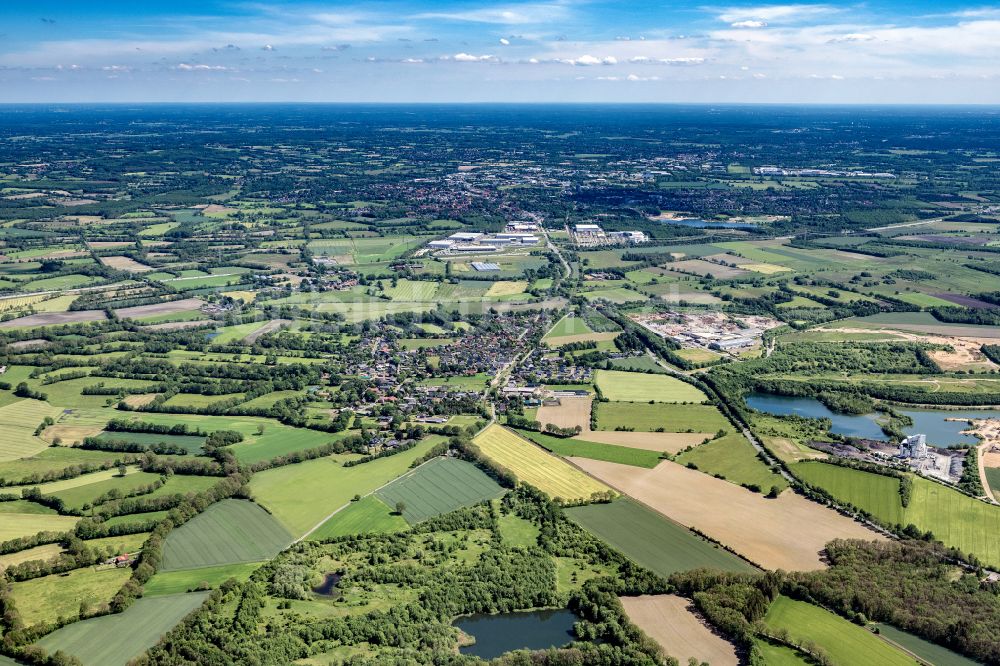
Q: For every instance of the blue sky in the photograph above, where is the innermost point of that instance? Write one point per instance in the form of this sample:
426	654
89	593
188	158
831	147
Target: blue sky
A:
546	51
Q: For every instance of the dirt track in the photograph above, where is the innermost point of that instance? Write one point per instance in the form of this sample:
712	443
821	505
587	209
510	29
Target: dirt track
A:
671	442
178	325
788	532
671	622
269	327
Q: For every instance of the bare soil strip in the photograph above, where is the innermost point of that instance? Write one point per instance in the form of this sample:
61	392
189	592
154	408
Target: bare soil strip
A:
788	532
269	327
178	325
171	307
671	622
571	412
671	442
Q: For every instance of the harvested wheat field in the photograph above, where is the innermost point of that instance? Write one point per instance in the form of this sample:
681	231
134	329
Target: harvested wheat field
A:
170	307
788	532
139	399
54	319
125	264
570	412
671	622
70	434
671	442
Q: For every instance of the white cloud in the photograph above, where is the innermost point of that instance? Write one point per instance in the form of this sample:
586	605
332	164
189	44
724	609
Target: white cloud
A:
467	57
187	67
589	60
504	42
505	15
750	23
774	13
689	60
636	77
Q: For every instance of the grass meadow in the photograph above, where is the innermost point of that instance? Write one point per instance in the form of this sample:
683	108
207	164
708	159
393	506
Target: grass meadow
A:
621	386
845	642
327	484
733	457
369	515
672	418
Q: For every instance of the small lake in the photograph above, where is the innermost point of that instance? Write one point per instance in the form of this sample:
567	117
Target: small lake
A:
939	430
709	224
848	425
532	630
935	423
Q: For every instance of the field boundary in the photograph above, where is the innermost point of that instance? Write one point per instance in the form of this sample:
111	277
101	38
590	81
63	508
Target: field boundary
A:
341	508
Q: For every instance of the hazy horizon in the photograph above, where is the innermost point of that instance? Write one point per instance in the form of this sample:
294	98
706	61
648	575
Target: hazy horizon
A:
546	51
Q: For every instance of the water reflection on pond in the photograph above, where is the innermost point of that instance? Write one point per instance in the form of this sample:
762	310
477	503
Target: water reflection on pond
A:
943	427
533	630
328	588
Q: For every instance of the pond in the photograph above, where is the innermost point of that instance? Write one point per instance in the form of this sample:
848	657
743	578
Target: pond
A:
328	588
532	630
710	224
937	424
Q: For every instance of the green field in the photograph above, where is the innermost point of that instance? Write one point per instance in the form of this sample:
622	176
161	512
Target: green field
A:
733	457
624	455
14	525
78	497
568	326
47	598
780	655
17	422
228	532
993	478
637	364
875	493
191	443
621	386
439	486
929	652
230	334
647	418
651	540
412	290
279	440
52	459
369	515
957	520
176	582
845	642
114	640
327	484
